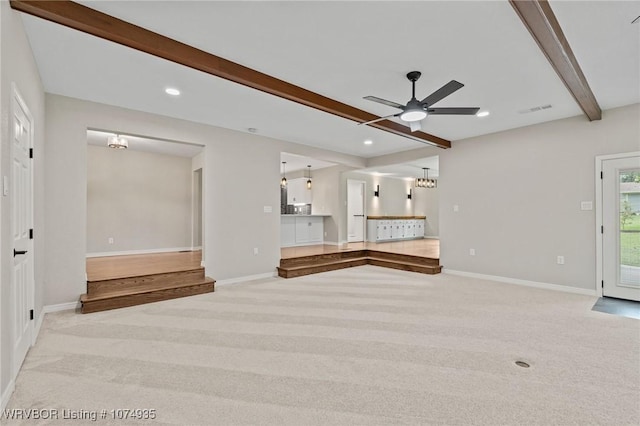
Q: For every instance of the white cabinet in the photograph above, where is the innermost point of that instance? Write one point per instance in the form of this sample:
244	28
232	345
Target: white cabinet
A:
297	192
309	230
287	231
396	229
301	230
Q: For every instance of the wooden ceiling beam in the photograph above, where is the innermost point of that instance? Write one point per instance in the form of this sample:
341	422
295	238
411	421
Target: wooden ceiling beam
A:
543	26
91	21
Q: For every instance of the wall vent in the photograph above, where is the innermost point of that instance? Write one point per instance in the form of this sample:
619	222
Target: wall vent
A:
534	109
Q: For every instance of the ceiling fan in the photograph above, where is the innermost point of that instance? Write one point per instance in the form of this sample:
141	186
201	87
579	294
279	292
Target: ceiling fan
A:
414	111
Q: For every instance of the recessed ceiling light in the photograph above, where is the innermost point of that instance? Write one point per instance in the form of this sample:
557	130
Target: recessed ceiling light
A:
368	142
482	114
171	91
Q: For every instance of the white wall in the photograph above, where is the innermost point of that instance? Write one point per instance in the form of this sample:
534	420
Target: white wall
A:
393	195
19	67
519	195
426	202
233	219
142	200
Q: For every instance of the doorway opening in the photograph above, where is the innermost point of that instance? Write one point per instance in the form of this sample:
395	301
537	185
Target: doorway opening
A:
356	216
618	219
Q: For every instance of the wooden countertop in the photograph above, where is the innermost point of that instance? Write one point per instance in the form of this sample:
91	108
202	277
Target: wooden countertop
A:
394	217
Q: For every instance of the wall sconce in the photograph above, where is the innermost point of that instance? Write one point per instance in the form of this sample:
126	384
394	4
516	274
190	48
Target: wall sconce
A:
376	193
409	194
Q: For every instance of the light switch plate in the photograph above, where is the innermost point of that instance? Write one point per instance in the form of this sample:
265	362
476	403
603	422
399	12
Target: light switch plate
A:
586	205
268	209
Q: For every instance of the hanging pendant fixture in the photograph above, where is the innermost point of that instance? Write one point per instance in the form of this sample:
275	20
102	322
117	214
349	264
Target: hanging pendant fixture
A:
309	177
283	181
424	181
117	142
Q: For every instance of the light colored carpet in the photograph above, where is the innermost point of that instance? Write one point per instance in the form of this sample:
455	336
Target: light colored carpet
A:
364	346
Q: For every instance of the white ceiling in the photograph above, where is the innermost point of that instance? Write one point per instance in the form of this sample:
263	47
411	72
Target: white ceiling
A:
297	162
347	50
138	143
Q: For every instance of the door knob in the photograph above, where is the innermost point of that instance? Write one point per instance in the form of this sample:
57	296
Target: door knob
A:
17	252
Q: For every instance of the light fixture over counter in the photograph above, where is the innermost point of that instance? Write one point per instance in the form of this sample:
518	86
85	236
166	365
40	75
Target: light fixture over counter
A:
424	181
117	142
283	181
309	177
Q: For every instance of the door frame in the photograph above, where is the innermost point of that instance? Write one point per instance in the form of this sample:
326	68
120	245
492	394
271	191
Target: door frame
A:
599	206
17	99
364	209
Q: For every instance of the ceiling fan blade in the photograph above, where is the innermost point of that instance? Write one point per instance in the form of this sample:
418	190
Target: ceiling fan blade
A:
384	102
453	111
380	118
442	92
415	126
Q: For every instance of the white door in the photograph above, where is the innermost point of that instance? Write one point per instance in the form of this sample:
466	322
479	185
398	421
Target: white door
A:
621	228
22	281
355	211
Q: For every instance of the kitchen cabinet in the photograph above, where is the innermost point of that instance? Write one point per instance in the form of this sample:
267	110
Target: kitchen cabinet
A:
391	228
300	230
297	192
287	231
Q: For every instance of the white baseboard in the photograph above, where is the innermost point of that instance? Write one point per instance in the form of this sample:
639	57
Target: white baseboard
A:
536	284
432	237
61	307
6	395
147	251
246	278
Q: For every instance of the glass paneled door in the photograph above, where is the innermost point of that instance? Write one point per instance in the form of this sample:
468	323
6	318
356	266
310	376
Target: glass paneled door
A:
621	228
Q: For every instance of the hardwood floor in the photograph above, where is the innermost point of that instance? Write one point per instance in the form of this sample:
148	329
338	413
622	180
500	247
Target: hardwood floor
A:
121	281
112	267
427	247
421	256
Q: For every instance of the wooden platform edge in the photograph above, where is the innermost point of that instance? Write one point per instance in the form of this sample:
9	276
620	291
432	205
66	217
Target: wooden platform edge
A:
139	297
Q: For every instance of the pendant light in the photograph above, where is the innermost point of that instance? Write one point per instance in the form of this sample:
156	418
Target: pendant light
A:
283	181
309	177
117	142
424	181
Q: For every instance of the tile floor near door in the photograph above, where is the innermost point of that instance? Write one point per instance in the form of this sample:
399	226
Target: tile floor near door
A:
427	247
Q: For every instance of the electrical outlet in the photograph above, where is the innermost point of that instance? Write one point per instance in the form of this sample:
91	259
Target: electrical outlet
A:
456	208
472	252
255	251
560	260
325	234
110	240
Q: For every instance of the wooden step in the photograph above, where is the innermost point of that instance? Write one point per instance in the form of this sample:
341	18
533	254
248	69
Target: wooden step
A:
406	266
144	282
315	268
130	297
321	258
398	257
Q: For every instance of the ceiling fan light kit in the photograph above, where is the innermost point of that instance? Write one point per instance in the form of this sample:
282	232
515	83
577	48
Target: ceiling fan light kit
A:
415	111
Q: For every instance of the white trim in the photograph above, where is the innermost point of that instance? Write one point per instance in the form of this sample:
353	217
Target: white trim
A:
433	237
331	243
536	284
7	394
147	251
61	307
304	244
196	248
598	184
246	278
